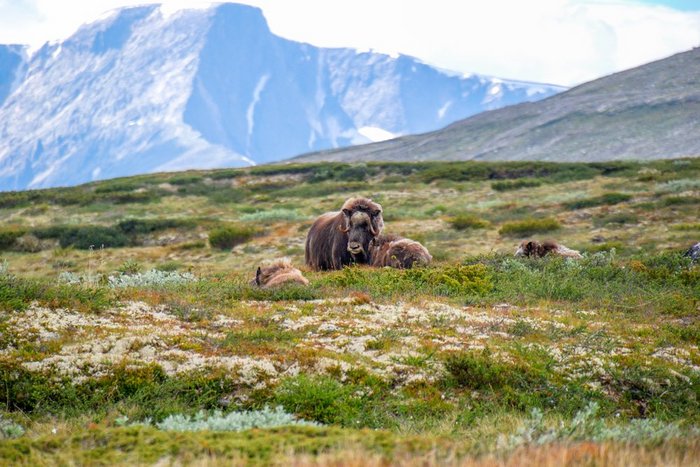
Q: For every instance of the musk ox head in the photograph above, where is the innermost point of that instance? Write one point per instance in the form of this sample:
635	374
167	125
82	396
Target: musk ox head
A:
362	221
276	273
527	248
535	249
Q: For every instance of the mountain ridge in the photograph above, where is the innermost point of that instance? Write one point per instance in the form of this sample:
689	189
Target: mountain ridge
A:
648	112
139	91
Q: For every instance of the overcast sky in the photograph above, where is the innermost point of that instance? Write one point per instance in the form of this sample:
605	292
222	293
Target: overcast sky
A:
553	41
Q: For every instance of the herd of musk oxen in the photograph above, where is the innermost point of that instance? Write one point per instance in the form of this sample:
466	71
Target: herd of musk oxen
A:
353	235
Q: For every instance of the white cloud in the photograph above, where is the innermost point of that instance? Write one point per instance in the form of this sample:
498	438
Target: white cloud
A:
556	41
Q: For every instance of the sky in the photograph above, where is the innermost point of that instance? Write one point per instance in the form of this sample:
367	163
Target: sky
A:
564	42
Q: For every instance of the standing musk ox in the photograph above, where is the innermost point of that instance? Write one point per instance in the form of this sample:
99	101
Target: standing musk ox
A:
535	249
397	252
277	273
340	238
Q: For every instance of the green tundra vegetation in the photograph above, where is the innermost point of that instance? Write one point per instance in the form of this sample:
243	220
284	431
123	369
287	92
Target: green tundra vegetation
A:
130	332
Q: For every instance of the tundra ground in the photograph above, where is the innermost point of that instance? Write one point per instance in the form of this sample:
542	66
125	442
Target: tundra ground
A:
126	302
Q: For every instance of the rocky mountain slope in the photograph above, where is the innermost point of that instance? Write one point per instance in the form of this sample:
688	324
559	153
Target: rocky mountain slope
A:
141	91
649	112
12	61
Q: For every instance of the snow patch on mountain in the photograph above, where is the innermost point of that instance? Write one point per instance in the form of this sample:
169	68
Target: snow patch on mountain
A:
375	134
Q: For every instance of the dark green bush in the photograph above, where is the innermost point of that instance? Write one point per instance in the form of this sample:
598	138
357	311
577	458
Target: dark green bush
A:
13	199
146	226
92	236
129	197
467	221
606	199
529	227
508	185
479	370
117	185
8	236
322	399
680	200
620	218
185	179
229	236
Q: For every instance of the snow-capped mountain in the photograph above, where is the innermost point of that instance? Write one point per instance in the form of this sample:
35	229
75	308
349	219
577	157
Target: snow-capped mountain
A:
141	91
13	59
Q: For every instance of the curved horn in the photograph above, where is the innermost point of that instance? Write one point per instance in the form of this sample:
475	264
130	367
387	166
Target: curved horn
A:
345	226
372	230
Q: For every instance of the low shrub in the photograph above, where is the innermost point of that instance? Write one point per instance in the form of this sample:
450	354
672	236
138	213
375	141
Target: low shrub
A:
28	243
146	226
272	215
233	421
92	236
127	197
185	179
586	426
529	227
606	199
8	236
231	235
319	398
467	221
509	185
10	429
477	370
448	280
17	293
680	200
620	218
152	278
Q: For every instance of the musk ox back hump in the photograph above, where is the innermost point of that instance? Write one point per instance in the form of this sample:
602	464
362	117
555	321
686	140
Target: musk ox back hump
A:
326	244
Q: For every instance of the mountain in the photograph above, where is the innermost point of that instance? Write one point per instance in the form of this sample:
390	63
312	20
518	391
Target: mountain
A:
13	59
648	112
141	91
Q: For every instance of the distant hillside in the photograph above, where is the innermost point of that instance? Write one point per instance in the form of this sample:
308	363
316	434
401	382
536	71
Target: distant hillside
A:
648	112
141	91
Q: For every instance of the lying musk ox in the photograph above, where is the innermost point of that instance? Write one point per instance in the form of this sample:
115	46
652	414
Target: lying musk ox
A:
340	238
397	252
277	273
535	249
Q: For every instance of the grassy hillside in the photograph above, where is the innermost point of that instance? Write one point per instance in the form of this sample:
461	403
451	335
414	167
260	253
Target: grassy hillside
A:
126	310
648	112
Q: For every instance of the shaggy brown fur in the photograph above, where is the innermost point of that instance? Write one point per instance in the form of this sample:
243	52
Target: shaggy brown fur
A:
277	273
397	252
535	249
340	238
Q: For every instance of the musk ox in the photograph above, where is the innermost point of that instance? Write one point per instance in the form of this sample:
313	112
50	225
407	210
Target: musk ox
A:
397	252
535	249
340	238
277	273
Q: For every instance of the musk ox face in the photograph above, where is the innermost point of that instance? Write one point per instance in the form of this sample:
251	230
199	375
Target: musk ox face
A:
362	223
526	248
